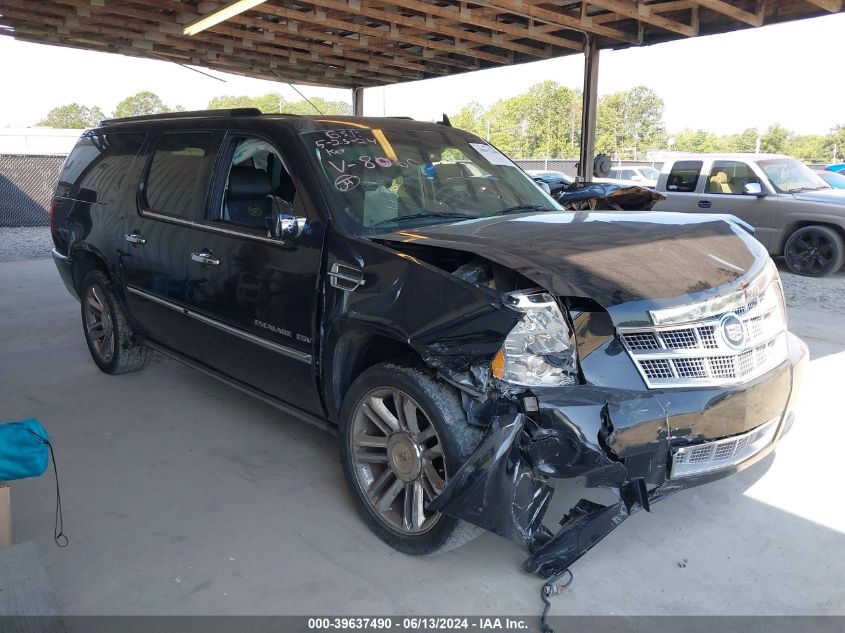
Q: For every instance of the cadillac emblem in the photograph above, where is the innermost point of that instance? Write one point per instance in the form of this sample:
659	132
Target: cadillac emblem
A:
733	332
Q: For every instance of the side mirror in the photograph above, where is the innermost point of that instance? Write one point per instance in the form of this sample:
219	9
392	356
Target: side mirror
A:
544	186
284	224
752	189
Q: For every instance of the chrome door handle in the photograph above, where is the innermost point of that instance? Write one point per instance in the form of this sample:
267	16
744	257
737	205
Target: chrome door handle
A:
205	257
135	238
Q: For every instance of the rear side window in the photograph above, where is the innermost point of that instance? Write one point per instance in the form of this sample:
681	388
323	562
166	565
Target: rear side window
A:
684	175
179	171
95	168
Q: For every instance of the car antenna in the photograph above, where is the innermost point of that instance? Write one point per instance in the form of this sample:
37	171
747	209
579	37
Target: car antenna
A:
306	98
446	120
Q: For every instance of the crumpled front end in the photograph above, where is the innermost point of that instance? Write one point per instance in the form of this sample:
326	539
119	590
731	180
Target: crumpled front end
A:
626	440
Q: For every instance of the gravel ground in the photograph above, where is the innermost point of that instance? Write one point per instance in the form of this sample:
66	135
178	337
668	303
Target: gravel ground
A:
24	242
826	294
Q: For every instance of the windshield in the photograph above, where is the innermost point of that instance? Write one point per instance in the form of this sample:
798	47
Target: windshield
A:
380	179
649	173
788	174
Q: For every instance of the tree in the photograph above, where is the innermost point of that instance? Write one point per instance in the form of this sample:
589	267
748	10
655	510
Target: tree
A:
145	102
834	143
72	115
774	139
341	108
274	103
808	147
744	142
543	122
471	118
630	122
696	141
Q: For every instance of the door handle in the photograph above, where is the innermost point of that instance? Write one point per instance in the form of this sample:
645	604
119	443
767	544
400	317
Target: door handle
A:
135	238
704	204
205	257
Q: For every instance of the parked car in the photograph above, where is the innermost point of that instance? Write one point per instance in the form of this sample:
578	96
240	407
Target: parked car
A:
838	167
833	178
632	176
556	180
407	286
795	213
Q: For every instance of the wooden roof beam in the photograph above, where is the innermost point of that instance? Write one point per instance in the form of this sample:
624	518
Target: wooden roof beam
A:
726	8
643	13
95	42
392	33
310	17
834	6
476	17
428	24
562	20
292	40
216	52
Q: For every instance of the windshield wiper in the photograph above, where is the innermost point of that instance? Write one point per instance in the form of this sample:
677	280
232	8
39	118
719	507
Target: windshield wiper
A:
524	207
426	214
808	189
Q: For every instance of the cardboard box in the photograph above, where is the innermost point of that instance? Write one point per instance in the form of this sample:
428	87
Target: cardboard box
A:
5	515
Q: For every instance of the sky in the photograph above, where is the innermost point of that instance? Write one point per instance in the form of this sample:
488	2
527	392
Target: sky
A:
722	83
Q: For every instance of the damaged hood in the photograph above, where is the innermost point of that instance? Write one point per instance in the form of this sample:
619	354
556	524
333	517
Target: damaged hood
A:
629	262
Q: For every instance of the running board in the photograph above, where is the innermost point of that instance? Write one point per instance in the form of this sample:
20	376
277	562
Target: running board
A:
255	393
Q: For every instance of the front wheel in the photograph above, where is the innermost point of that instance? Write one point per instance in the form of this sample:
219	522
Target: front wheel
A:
814	251
403	434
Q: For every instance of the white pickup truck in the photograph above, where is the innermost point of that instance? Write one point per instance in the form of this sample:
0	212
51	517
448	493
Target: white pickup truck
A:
795	213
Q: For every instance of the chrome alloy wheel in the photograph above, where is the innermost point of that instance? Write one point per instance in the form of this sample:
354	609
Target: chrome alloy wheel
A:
99	324
398	459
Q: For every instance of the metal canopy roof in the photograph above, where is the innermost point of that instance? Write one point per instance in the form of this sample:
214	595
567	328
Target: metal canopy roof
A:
362	43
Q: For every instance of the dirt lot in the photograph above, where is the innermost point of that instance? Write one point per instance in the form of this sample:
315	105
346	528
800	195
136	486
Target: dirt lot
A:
183	496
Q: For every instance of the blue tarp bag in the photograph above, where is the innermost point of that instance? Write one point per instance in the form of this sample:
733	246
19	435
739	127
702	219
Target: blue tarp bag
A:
24	450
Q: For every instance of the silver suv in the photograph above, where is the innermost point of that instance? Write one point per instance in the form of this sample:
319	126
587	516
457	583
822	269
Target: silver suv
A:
795	213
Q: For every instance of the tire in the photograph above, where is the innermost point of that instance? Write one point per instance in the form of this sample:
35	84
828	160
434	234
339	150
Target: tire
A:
107	332
814	251
440	421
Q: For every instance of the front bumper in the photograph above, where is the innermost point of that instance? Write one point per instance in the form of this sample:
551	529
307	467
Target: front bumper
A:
625	440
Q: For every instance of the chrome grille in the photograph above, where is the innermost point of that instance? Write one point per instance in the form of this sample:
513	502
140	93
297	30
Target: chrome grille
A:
702	458
700	354
657	369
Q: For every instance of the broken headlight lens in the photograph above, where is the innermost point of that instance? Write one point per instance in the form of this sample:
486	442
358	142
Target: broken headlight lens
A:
539	351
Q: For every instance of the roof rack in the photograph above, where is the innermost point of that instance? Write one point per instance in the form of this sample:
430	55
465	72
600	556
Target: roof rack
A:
232	112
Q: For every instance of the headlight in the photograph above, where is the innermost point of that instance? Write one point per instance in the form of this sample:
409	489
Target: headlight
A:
539	350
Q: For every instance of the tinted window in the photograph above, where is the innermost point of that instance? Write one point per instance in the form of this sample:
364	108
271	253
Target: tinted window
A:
729	177
256	172
94	170
179	171
684	175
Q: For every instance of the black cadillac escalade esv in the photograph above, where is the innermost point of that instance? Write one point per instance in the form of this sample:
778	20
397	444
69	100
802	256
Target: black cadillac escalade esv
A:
406	285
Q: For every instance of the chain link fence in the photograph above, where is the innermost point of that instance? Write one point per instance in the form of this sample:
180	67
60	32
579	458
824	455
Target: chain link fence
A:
26	185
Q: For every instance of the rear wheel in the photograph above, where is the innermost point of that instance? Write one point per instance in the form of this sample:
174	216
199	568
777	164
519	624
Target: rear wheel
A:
107	331
814	251
402	435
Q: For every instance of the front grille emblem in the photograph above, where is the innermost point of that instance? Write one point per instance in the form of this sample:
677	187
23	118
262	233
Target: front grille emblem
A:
733	331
